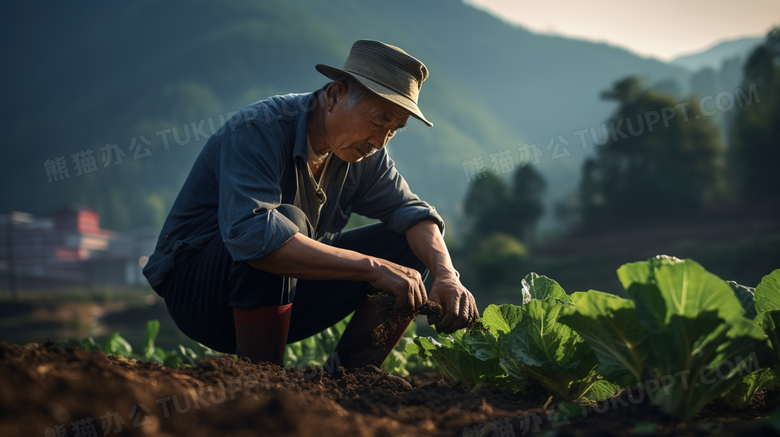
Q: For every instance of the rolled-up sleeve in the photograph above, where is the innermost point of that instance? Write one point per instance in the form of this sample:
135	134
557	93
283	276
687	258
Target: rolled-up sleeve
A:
383	194
250	170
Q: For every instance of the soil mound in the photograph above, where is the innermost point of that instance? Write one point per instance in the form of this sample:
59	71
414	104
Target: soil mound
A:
47	390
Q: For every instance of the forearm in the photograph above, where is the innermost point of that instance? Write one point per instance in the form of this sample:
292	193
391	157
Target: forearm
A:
307	259
427	243
459	306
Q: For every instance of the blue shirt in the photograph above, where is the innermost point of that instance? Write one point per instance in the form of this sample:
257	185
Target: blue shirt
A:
248	168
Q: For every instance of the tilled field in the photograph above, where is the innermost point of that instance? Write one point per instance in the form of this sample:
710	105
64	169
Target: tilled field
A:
53	392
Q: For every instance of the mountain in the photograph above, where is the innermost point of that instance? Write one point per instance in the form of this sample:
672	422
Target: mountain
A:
715	55
84	76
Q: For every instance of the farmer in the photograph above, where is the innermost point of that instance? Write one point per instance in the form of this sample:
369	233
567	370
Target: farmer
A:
252	255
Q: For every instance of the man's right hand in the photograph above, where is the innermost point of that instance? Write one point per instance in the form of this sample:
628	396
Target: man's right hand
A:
404	283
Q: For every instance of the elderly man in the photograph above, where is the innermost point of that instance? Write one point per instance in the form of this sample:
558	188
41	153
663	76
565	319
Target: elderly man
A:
252	255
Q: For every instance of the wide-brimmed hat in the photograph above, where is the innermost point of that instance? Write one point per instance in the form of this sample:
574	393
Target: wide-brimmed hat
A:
387	71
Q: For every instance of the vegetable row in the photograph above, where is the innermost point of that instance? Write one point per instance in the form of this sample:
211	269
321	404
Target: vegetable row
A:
683	337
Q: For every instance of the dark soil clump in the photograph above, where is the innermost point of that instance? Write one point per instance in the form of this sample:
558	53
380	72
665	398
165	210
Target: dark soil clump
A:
385	304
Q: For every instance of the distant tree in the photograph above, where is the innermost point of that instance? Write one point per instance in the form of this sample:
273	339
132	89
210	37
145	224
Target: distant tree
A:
493	208
773	42
705	82
526	207
754	146
639	172
668	86
502	223
485	205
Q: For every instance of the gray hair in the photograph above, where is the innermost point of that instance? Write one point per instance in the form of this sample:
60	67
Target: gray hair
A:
356	91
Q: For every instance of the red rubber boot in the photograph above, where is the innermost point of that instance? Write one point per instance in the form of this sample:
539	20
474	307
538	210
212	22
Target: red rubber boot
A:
261	333
359	347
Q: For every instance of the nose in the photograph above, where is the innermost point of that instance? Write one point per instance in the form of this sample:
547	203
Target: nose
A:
388	136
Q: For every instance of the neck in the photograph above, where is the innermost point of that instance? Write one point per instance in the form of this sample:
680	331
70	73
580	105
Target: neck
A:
315	127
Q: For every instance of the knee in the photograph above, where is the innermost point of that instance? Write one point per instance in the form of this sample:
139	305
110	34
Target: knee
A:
297	216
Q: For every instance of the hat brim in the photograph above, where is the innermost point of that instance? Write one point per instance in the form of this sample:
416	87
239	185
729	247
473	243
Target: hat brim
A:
378	89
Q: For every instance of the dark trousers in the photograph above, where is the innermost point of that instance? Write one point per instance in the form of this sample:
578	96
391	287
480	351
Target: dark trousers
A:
201	293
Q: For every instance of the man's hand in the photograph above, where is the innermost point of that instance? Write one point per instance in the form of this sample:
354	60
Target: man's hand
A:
427	243
404	283
458	303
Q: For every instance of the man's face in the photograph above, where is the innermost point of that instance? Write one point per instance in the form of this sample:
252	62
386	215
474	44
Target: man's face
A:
367	127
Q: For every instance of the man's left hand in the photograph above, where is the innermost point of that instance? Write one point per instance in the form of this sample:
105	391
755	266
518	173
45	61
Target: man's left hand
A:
457	302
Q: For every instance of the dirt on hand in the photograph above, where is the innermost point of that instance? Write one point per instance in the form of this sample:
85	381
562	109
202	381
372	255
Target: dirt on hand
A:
385	304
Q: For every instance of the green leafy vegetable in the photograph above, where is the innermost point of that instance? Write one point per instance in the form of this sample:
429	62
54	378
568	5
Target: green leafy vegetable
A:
745	296
528	342
609	325
769	321
152	330
501	319
767	293
740	395
90	345
116	345
541	287
664	287
552	353
403	363
704	357
684	326
316	350
454	360
759	306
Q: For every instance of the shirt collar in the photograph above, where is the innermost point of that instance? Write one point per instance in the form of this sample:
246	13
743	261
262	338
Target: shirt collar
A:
312	156
304	108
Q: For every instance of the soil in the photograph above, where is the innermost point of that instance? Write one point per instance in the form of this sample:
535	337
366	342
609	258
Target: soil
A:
385	305
44	386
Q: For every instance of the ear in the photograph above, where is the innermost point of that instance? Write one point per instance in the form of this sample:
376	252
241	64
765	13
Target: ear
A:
334	93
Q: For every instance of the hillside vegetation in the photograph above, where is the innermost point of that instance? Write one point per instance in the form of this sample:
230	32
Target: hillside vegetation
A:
84	76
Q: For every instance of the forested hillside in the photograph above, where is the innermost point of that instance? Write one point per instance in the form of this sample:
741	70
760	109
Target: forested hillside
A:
87	75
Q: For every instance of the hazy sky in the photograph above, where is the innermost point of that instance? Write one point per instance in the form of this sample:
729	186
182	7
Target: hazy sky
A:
662	28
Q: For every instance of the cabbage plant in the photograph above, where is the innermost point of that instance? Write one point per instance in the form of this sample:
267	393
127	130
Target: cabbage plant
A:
682	336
